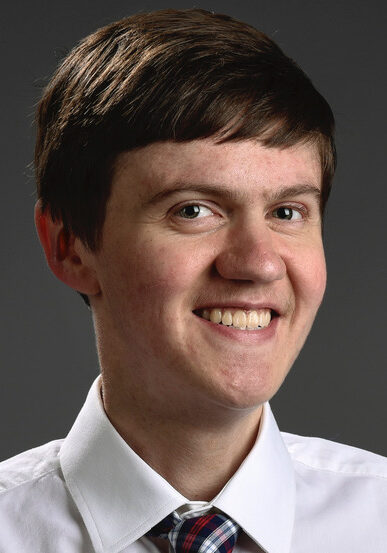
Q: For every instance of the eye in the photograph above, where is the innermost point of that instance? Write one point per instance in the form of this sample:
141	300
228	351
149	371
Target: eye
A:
287	213
193	211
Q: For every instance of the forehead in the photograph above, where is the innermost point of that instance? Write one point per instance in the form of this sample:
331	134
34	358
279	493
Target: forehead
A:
235	166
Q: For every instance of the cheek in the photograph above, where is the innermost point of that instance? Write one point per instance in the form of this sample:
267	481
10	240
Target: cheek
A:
309	276
160	272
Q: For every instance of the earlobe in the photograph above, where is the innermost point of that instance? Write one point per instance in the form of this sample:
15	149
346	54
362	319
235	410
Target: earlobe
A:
64	261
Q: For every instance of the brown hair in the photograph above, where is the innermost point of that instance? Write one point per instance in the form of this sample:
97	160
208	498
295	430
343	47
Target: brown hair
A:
166	75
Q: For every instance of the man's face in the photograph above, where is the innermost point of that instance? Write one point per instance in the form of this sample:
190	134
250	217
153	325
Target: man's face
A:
225	228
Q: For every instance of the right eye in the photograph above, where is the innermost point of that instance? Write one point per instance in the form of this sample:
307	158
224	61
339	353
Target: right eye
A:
193	211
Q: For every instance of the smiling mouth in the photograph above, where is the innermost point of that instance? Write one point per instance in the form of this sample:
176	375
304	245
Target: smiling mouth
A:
238	318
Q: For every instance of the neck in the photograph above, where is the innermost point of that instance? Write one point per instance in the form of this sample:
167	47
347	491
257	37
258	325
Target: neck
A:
196	449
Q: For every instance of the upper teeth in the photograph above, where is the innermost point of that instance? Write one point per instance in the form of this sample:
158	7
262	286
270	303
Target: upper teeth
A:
238	318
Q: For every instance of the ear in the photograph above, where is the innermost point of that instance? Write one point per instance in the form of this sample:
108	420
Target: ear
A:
66	255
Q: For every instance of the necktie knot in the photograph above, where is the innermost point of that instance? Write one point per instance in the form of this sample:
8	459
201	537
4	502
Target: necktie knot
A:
211	533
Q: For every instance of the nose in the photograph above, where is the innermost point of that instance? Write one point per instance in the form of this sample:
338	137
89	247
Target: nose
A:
251	253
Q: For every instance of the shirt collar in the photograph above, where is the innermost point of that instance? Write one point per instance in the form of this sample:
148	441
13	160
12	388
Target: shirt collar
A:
261	495
120	497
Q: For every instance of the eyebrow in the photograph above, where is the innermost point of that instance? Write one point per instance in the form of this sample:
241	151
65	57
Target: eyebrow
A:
295	190
235	195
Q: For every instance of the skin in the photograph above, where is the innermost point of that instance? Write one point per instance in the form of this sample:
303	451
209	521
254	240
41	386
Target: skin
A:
187	398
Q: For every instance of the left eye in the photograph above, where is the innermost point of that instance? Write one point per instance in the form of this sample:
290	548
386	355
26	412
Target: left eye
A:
193	211
287	213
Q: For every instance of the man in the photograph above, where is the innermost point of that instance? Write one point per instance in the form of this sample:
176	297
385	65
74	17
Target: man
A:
183	165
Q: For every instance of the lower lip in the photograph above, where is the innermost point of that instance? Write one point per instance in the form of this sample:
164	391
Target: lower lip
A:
243	336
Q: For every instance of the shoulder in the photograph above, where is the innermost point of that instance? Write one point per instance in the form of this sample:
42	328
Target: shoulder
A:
341	492
35	504
325	455
29	466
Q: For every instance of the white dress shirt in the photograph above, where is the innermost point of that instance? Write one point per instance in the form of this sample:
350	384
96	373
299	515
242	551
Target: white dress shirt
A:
92	493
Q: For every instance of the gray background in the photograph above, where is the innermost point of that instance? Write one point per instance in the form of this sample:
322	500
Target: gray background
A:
337	388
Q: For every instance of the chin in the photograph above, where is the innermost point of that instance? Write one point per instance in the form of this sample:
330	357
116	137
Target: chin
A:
248	392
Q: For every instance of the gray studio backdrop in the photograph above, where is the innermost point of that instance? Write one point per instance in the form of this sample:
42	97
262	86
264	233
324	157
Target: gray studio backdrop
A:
337	388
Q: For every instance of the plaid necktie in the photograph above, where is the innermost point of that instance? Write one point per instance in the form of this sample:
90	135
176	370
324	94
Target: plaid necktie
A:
213	533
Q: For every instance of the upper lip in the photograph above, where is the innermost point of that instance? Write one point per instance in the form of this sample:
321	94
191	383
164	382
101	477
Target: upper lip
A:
243	305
